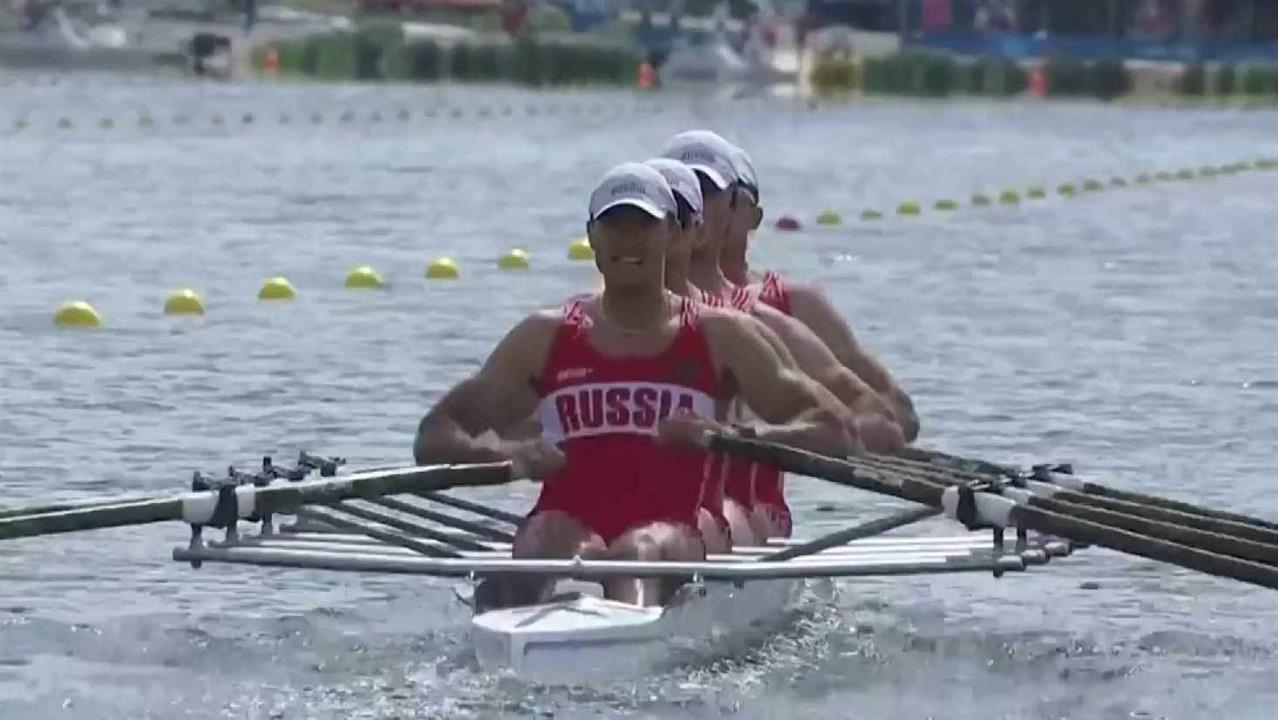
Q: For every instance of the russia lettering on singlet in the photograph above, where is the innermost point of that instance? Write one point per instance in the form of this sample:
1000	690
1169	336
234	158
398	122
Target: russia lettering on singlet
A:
594	409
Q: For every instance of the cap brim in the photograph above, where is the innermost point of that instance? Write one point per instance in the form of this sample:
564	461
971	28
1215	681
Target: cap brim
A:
715	176
647	206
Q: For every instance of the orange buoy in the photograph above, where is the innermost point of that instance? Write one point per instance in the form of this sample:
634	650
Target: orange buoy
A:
272	62
1037	82
647	76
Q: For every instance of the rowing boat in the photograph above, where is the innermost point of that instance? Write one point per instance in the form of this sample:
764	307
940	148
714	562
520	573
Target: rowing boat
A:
400	520
726	602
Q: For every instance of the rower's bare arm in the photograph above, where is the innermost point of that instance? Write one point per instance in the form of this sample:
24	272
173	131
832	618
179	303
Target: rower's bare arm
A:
793	410
485	418
813	308
868	417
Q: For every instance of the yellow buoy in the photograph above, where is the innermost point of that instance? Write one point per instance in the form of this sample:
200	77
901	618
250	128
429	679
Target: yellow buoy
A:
829	217
1117	182
515	259
580	249
1066	189
1036	193
277	288
1185	174
909	207
364	277
945	204
1143	179
980	200
1092	185
76	313
1164	176
1009	197
442	269
184	302
1207	171
871	215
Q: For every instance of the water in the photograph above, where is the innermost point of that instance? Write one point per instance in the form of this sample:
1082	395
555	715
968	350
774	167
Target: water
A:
1132	331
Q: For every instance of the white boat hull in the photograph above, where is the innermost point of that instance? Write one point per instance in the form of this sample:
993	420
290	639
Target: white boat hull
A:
585	637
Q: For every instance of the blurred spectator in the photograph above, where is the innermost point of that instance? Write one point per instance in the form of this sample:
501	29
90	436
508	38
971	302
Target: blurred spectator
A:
1154	19
994	16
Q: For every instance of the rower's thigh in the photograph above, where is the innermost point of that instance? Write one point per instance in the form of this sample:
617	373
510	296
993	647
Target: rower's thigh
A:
740	523
714	534
555	534
661	541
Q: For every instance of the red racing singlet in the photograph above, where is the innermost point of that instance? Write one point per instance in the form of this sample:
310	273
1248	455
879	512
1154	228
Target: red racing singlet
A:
767	481
602	412
774	292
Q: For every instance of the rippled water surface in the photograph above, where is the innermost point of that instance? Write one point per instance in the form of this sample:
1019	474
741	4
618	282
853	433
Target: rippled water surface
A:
1133	331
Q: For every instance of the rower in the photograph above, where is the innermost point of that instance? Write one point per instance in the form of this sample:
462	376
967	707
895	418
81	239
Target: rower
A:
805	301
625	383
710	156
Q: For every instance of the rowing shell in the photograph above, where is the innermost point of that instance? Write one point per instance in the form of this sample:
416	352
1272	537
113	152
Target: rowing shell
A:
581	637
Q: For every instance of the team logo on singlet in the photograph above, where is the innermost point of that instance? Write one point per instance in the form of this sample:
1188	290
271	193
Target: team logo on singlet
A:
628	408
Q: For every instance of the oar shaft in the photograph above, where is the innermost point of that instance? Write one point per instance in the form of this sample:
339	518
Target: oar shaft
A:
93	517
972	465
1152	548
199	507
1209	541
1152	512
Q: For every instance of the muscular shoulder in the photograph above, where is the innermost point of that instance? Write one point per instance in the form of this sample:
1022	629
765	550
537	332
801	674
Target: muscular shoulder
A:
723	323
539	324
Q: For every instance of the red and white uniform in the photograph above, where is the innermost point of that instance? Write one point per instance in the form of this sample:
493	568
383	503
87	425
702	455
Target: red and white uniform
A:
726	477
602	412
774	292
769	483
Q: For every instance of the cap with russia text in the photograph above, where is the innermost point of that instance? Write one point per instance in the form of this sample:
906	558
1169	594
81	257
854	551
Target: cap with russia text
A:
683	181
707	153
633	184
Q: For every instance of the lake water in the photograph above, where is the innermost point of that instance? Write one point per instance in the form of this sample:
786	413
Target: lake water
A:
1133	331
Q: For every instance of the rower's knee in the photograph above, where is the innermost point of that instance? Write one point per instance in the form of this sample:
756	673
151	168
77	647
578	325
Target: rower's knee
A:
553	534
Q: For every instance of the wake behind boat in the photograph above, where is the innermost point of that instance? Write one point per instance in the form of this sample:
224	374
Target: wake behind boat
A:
398	521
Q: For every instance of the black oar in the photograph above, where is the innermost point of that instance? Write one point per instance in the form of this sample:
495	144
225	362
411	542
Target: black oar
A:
212	506
1240	540
1071	528
1089	488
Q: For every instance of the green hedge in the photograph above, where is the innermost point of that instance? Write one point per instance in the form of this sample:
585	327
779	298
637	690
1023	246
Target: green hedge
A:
1103	79
1193	80
378	51
918	74
1249	80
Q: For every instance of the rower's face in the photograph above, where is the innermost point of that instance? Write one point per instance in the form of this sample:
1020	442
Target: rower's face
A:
718	213
630	246
683	240
746	217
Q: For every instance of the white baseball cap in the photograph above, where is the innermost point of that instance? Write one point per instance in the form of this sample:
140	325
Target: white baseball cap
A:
683	181
633	184
745	171
707	153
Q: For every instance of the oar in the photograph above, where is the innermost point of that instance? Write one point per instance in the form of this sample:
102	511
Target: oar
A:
1089	488
1000	511
1238	539
247	500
